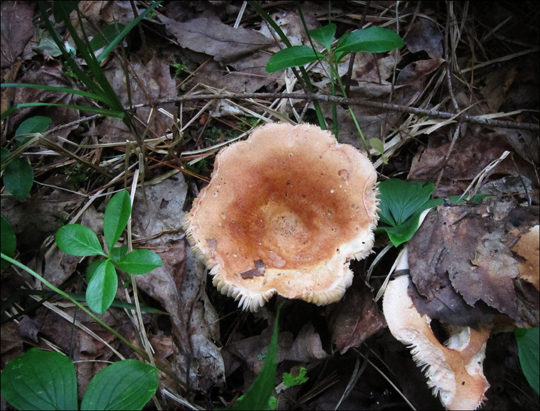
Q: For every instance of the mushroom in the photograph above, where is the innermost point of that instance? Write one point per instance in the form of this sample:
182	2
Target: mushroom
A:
527	254
454	371
285	212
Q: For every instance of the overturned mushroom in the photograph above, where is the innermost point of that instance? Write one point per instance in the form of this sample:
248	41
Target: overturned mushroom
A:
285	212
455	371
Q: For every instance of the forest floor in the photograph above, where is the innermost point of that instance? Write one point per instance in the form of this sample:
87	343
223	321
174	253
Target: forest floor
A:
462	113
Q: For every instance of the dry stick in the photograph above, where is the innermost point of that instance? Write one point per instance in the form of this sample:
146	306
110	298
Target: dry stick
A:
449	16
359	102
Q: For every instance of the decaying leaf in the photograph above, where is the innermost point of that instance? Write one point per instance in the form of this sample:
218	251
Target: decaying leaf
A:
356	318
252	352
461	252
34	221
470	155
249	75
412	80
307	346
179	284
215	38
16	29
425	36
149	82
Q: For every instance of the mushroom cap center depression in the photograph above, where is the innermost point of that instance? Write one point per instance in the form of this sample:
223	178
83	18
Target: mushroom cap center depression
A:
289	209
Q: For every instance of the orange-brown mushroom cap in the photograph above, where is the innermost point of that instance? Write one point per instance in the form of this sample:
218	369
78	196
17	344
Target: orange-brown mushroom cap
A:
285	212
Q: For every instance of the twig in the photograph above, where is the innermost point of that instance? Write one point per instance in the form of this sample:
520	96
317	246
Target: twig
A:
359	102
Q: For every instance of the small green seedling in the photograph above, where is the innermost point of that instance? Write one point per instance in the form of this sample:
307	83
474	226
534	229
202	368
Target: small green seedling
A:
99	87
528	340
291	380
78	240
18	173
373	40
45	380
259	395
402	203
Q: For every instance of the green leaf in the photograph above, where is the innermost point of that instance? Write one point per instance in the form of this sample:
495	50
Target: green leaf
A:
67	6
40	380
528	340
92	267
404	232
118	253
102	287
126	30
290	381
400	199
292	57
140	262
19	178
258	394
373	39
4	153
78	240
106	36
37	124
9	240
377	145
324	35
124	385
116	217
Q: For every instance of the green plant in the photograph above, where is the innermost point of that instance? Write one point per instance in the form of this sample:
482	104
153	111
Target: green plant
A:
402	203
99	87
528	340
18	173
44	380
373	39
78	240
259	395
291	380
9	241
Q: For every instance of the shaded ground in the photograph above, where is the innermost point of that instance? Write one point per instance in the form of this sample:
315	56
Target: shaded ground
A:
211	349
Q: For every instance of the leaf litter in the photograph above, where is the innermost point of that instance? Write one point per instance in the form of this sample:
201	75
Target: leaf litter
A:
210	350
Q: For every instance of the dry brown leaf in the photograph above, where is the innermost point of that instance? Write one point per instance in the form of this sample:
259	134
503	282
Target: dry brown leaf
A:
465	248
435	296
356	318
470	155
249	75
179	284
34	220
16	29
292	26
412	79
149	82
109	12
425	36
253	350
215	38
497	84
11	345
307	346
